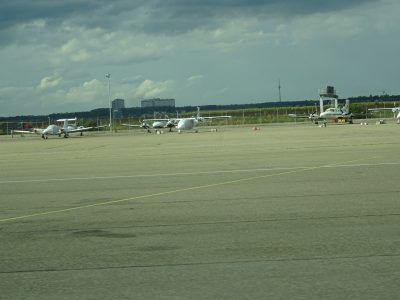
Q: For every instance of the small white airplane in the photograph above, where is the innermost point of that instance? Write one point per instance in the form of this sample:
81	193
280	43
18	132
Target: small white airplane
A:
337	113
53	129
157	124
332	113
394	110
179	123
190	123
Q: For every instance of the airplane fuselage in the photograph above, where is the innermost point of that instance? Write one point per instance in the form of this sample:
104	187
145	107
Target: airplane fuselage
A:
179	123
158	124
334	113
397	110
186	124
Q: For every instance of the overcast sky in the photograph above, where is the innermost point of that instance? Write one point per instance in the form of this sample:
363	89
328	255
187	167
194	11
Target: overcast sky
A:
54	54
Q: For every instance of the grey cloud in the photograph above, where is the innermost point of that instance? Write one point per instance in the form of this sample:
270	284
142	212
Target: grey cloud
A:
16	11
177	16
153	15
208	8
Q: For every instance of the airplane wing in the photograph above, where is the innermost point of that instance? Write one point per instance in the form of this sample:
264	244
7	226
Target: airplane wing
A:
168	123
216	117
23	131
131	125
393	109
33	131
158	120
204	119
143	125
312	117
299	116
80	129
68	120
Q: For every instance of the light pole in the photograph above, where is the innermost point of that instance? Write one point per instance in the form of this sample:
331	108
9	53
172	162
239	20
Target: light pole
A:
108	75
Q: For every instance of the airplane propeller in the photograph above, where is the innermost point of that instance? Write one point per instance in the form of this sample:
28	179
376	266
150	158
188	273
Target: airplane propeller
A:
313	116
144	125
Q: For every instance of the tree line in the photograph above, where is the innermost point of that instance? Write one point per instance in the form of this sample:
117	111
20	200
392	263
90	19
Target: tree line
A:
264	112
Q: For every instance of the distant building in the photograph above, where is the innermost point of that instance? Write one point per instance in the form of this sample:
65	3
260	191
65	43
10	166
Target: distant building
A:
117	105
157	102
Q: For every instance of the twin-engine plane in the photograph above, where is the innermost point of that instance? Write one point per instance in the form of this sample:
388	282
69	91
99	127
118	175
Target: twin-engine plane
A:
179	123
53	129
332	113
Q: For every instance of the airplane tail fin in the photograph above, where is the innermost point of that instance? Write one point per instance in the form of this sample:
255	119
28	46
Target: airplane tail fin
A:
64	130
199	118
347	106
321	106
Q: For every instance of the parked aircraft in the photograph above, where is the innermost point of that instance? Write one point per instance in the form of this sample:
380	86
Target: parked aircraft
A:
179	123
53	129
332	113
393	109
337	113
157	124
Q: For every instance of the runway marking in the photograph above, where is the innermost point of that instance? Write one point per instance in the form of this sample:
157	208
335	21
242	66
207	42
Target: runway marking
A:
339	164
44	180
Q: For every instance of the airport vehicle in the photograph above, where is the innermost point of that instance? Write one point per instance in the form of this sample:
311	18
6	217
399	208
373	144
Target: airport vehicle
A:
393	109
53	129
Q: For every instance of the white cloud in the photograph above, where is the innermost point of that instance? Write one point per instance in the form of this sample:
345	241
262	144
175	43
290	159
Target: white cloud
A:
36	23
49	82
195	78
73	51
229	36
97	45
150	89
88	92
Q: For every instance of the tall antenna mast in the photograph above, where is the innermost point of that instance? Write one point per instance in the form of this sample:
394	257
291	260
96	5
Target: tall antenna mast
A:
279	88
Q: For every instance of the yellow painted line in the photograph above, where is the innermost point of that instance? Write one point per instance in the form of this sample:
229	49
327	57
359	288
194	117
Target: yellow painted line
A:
175	191
216	172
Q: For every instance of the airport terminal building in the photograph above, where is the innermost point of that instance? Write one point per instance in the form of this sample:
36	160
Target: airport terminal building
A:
117	107
157	102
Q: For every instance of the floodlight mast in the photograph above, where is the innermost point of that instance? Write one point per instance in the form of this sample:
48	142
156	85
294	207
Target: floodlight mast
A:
108	75
279	88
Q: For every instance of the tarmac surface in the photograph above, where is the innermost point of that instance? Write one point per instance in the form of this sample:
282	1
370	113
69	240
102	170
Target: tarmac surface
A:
289	211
